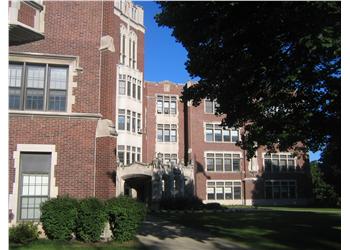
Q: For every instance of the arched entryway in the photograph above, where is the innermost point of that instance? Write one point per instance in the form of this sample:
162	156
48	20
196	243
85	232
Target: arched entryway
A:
138	187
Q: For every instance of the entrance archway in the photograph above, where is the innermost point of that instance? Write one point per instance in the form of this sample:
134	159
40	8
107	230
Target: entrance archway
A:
139	187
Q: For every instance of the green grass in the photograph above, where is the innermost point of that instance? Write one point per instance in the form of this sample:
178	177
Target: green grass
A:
76	245
271	228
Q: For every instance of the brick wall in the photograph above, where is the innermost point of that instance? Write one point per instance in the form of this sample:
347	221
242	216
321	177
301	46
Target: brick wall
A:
26	14
74	28
75	147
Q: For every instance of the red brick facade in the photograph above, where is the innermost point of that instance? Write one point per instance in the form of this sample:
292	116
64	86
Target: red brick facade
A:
86	160
26	14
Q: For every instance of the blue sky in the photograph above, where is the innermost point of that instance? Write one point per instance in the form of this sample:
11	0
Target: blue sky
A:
164	57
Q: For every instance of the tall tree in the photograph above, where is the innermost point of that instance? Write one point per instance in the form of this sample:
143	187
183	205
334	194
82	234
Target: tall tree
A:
273	67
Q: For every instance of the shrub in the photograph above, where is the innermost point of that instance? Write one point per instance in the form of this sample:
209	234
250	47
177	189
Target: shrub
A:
181	203
58	217
23	233
91	219
213	206
124	215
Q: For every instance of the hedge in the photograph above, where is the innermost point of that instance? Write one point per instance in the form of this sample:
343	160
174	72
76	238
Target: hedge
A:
23	233
124	215
58	217
91	220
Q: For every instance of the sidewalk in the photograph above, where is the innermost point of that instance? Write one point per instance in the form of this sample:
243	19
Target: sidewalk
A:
159	234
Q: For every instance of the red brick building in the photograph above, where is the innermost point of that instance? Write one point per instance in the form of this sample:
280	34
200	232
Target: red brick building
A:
83	123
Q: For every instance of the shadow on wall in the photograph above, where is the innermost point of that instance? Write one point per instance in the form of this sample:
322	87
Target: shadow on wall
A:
280	191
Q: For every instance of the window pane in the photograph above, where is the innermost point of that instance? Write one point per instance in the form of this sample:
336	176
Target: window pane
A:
160	135
237	193
236	164
219	164
167	135
173	135
276	190
210	164
209	135
228	193
211	193
209	107
121	87
275	166
226	134
129	86
138	92
128	121
234	134
268	165
283	165
220	193
57	100
166	107
35	76
14	98
121	122
134	90
15	75
159	107
35	99
121	156
58	78
218	135
173	107
292	192
228	166
291	166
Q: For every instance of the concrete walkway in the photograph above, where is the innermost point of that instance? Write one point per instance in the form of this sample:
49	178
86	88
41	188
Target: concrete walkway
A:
158	234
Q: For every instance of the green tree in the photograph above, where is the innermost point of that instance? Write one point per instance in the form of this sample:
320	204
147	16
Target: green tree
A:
273	67
324	194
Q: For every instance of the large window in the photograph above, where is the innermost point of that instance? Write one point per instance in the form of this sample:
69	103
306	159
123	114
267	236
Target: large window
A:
224	190
223	162
129	154
128	48
279	162
129	121
210	106
166	133
130	86
166	104
34	184
216	133
122	84
168	158
280	189
38	87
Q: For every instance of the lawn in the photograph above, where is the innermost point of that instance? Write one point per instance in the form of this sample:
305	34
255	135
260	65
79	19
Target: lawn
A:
270	228
76	245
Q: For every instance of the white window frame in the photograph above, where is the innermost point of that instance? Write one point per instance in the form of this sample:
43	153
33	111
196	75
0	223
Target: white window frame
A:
214	106
38	148
223	163
234	183
172	99
279	154
222	135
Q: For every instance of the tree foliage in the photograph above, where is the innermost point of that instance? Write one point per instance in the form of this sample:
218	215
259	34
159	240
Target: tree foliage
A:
324	194
273	67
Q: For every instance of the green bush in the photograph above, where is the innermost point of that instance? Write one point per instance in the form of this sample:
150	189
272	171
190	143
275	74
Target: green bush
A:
58	217
91	220
23	233
124	216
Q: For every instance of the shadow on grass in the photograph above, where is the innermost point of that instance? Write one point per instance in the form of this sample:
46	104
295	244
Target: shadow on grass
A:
266	230
155	234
